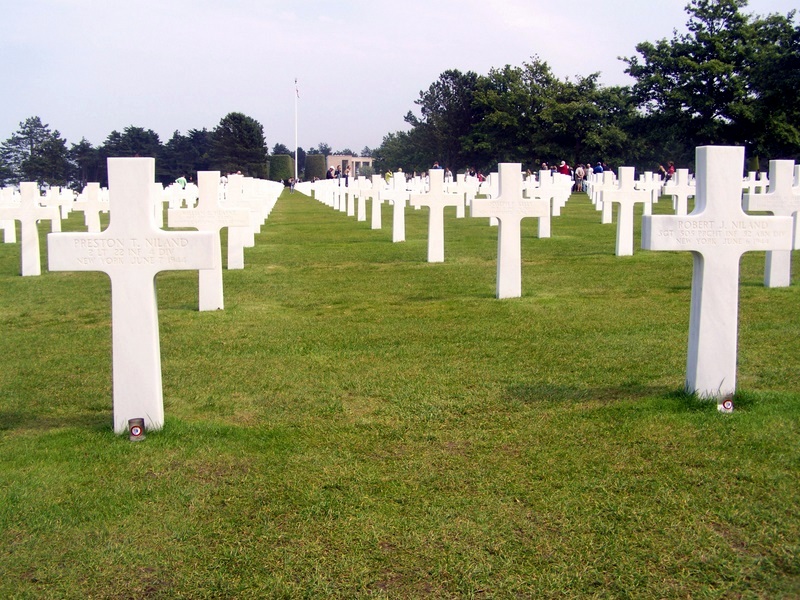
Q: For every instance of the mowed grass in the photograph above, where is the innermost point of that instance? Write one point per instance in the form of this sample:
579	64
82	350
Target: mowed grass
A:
360	423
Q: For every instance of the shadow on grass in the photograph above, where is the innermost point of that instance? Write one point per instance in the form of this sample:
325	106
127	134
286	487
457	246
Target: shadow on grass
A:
532	393
21	420
659	396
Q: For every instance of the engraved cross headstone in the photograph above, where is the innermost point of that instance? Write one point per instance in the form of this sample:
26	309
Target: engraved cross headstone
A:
783	201
27	213
625	195
131	250
398	196
92	204
436	200
510	207
680	188
717	233
209	216
375	208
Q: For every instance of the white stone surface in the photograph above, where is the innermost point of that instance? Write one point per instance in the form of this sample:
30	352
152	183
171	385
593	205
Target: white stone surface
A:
91	203
717	233
28	212
209	216
132	251
681	188
510	207
436	200
374	193
9	198
397	196
235	197
781	200
625	195
359	188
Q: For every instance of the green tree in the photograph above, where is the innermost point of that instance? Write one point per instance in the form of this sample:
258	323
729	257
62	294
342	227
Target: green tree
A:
448	116
86	160
772	69
178	158
201	148
732	79
238	144
34	153
301	159
6	172
324	149
132	142
280	149
401	150
582	121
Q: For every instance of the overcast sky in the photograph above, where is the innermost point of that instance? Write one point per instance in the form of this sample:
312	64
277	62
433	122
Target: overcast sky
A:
87	67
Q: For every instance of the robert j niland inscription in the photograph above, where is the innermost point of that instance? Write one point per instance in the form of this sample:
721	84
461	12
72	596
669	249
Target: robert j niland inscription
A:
721	233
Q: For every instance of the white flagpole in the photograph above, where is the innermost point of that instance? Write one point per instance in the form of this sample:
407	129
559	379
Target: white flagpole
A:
296	157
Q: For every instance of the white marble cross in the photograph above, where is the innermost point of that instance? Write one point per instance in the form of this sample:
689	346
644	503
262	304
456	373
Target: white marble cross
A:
782	201
717	233
756	182
235	197
456	187
91	203
131	251
468	185
510	207
436	200
350	188
375	193
358	187
240	238
9	226
210	216
27	213
626	195
680	188
604	181
398	196
53	199
546	191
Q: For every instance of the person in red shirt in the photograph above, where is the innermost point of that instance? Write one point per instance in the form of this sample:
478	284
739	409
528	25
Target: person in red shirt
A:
563	168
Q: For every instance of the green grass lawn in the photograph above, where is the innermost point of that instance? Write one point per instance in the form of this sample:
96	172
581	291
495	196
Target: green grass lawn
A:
360	423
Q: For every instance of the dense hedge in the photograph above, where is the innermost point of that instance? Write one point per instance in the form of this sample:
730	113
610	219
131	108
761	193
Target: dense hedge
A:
315	167
281	167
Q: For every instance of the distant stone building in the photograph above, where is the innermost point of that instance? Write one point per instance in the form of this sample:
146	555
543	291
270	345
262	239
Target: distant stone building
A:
356	163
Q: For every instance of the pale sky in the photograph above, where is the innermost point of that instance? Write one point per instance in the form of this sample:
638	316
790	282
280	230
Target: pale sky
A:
87	67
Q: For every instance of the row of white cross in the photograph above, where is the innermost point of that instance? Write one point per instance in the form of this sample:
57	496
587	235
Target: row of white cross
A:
717	232
133	249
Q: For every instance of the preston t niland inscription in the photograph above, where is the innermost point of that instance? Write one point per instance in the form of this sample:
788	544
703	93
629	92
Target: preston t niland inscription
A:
131	251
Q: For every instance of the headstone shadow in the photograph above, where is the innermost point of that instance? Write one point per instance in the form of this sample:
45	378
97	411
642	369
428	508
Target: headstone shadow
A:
533	393
11	420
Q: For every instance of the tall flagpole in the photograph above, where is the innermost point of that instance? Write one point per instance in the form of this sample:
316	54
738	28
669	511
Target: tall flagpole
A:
296	157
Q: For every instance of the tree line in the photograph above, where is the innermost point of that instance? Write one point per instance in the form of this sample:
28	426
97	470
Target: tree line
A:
733	78
36	153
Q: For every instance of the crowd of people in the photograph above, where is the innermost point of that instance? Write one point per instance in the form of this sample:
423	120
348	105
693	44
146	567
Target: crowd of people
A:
579	172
